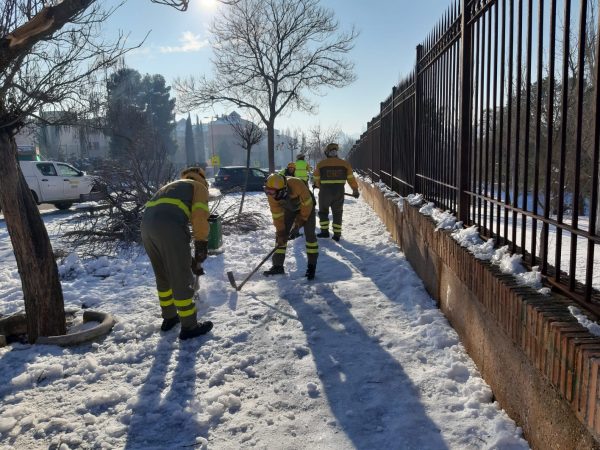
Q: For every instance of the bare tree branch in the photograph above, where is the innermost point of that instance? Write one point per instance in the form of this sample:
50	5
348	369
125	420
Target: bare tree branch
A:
249	134
269	54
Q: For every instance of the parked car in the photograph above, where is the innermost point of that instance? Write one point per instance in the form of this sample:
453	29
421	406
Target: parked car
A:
232	177
58	183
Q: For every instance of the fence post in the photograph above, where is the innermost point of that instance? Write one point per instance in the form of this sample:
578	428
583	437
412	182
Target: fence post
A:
465	114
417	121
370	146
392	140
380	136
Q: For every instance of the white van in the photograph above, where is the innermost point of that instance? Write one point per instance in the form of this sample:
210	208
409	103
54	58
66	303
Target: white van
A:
56	182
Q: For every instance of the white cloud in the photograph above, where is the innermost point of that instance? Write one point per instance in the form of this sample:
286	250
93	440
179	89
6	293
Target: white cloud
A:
189	43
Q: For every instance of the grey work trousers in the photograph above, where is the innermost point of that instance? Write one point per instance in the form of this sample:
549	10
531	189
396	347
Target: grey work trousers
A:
331	196
168	247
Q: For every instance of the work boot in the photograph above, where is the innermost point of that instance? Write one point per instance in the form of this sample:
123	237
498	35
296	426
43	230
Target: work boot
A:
310	271
167	324
323	234
337	236
275	270
198	330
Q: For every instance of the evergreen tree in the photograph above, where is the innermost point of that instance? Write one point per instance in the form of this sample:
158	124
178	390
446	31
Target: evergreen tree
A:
136	102
199	139
122	87
190	148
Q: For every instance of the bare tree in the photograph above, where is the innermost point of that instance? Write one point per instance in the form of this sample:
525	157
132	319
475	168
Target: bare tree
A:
268	55
115	226
318	139
292	144
49	52
249	134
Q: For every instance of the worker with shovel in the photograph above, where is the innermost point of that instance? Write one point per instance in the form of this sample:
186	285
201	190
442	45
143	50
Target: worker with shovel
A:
292	207
166	237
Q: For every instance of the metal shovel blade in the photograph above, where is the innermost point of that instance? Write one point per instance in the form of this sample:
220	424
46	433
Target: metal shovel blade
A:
232	280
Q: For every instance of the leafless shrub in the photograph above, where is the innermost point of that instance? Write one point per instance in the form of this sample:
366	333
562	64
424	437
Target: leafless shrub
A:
113	225
234	222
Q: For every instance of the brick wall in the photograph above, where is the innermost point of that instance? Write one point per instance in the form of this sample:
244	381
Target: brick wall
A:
541	364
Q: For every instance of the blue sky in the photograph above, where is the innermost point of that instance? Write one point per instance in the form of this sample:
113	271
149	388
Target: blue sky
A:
384	51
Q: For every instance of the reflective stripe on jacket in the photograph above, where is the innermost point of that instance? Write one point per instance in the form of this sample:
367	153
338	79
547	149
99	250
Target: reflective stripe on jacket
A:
334	171
186	200
298	199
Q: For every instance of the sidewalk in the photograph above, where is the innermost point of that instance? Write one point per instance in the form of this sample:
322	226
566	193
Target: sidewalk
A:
358	358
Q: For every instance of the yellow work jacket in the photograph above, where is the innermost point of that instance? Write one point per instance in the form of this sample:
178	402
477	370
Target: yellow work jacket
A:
186	200
331	171
297	201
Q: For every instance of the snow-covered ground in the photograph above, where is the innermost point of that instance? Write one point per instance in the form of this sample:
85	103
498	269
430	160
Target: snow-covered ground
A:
358	358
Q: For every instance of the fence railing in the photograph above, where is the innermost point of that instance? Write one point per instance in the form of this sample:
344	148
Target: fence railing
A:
499	123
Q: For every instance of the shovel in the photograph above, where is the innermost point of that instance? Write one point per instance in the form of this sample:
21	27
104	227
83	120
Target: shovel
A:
232	279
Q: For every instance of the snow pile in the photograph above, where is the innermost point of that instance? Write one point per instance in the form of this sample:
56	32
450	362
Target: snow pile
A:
470	239
414	199
593	327
71	267
445	220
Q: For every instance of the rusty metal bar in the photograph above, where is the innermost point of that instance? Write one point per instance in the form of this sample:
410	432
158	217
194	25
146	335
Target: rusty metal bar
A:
465	116
501	124
528	54
538	130
494	118
507	199
417	122
518	89
478	147
594	202
392	128
549	137
563	136
487	118
578	137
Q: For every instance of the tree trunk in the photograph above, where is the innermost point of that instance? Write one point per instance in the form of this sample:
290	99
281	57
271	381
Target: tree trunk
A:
245	180
598	207
42	291
271	145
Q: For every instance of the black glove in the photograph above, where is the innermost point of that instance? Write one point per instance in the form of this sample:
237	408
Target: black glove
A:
355	194
197	268
201	251
281	238
294	233
200	254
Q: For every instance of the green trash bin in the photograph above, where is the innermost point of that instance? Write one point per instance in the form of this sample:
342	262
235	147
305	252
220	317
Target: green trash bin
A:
215	235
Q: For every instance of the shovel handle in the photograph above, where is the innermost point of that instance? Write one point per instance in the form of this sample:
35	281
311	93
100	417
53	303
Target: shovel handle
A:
256	268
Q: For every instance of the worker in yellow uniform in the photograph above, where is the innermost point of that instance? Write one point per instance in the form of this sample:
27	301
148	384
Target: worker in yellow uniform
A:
331	176
292	207
166	238
302	168
289	170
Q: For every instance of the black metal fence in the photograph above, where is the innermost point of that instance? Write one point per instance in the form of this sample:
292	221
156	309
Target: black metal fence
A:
499	123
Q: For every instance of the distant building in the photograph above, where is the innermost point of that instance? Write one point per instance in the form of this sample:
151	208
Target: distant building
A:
221	144
64	142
